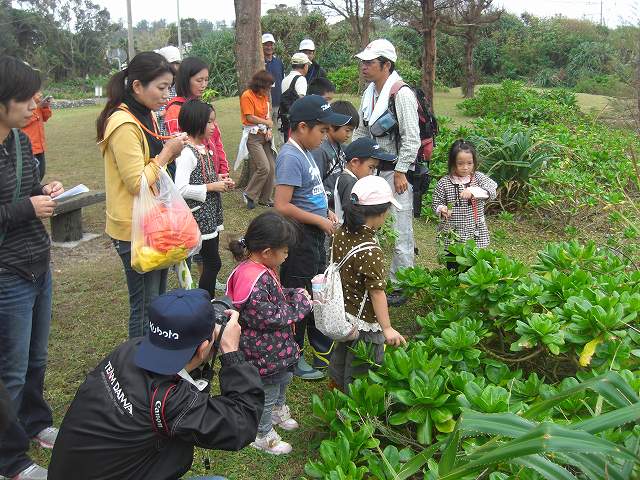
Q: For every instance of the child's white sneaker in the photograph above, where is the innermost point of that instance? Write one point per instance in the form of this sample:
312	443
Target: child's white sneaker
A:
272	443
281	417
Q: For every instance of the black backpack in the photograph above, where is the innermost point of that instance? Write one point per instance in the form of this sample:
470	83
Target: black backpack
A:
288	98
426	119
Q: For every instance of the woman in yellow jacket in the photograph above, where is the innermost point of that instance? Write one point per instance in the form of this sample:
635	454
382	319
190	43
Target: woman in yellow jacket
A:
131	147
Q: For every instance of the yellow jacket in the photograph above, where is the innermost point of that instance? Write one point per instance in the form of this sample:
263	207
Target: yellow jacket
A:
126	158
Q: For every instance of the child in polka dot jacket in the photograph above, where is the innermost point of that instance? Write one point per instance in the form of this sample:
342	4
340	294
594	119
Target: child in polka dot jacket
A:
363	279
268	313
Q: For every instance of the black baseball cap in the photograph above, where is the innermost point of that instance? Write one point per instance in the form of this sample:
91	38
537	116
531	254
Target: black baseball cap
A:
179	321
365	147
315	108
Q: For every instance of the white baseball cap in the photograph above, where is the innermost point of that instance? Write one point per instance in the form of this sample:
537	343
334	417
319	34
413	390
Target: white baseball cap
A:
307	44
378	48
267	37
300	59
373	190
170	53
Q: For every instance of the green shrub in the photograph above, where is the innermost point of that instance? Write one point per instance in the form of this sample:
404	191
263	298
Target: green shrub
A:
345	79
609	85
217	50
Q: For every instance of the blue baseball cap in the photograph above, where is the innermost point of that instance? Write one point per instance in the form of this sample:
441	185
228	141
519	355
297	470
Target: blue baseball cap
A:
315	108
179	321
365	147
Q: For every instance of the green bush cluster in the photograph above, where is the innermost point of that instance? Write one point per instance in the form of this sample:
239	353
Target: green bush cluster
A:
512	101
505	354
217	50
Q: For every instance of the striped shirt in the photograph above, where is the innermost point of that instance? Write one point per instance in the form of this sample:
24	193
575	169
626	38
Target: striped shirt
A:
25	248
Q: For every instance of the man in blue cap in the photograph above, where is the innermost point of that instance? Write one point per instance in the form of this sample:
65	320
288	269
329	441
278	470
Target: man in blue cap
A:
145	407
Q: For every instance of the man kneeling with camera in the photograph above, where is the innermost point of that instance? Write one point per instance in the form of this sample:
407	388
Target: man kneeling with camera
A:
140	413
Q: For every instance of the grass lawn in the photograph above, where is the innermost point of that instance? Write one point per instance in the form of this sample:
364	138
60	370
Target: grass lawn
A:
90	311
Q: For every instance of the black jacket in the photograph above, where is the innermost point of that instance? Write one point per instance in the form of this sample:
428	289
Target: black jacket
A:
25	248
110	432
315	71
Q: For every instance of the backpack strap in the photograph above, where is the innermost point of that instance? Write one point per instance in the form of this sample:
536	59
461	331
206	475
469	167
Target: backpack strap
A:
395	88
19	159
159	395
357	249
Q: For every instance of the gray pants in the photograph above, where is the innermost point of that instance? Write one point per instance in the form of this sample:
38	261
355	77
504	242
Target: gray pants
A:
342	370
277	135
404	251
275	395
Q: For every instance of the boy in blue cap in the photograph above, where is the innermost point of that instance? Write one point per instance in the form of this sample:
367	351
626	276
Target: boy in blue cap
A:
300	195
141	412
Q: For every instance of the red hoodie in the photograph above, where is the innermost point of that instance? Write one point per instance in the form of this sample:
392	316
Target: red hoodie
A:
214	143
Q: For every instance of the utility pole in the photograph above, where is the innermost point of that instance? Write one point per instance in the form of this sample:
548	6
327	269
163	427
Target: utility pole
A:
179	29
132	51
601	17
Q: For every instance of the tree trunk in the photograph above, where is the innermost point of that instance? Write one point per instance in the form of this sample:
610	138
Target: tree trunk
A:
249	56
429	25
248	46
468	86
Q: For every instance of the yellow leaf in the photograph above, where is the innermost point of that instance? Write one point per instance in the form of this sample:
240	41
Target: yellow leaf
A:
588	351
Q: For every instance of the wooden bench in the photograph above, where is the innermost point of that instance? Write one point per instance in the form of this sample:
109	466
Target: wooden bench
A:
66	222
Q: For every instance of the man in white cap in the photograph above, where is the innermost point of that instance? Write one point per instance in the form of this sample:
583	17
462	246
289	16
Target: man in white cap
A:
294	86
399	135
275	67
173	56
309	49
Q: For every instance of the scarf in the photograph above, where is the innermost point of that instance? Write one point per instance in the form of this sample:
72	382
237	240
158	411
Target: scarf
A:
371	112
143	114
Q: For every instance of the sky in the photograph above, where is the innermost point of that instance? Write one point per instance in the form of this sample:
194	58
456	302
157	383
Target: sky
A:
615	12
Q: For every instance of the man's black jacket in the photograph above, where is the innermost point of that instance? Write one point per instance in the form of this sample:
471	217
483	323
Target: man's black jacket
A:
315	71
110	432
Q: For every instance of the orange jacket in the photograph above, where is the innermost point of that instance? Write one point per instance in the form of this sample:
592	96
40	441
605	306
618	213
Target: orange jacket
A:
35	129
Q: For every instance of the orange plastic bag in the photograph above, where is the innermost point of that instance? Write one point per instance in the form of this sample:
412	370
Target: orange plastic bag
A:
163	230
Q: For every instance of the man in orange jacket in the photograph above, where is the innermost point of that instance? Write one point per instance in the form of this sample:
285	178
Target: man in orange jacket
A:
35	129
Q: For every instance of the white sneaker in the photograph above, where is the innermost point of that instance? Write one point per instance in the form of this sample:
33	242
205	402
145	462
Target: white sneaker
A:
281	417
272	443
32	472
47	437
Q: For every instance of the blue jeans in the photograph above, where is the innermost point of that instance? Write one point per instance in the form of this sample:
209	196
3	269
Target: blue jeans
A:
143	288
25	317
275	395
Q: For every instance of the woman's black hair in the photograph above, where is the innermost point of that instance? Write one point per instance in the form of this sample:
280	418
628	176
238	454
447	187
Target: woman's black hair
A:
267	230
458	146
144	67
18	81
189	67
355	216
194	116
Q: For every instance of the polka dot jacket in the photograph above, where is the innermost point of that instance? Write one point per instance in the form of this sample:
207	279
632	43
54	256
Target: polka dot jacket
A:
363	271
267	319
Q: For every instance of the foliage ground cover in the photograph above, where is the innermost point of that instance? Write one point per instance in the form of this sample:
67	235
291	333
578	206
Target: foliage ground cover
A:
90	298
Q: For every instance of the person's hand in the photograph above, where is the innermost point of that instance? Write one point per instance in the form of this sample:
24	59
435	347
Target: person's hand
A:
333	217
220	186
445	213
43	206
466	194
231	336
230	183
268	135
400	182
393	338
53	189
172	149
46	102
268	122
223	176
327	226
302	291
